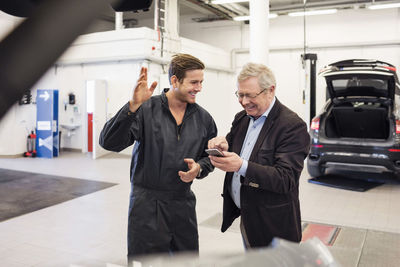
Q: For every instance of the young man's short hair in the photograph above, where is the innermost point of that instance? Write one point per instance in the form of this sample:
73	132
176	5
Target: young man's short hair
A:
181	63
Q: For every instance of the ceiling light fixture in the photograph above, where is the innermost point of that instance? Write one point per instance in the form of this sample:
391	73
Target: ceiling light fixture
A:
313	12
241	18
244	18
272	15
220	2
393	5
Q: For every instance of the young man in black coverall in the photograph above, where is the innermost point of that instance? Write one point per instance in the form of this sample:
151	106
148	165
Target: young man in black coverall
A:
170	132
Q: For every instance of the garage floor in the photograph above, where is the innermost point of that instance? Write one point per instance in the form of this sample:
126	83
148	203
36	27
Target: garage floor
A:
91	230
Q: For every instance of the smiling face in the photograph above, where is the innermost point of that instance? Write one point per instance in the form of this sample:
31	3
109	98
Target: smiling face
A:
186	89
255	106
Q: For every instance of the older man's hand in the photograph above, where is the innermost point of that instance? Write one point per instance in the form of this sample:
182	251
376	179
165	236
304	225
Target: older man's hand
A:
231	162
218	142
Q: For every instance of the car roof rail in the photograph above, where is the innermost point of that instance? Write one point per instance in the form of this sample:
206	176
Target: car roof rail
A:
359	64
363	63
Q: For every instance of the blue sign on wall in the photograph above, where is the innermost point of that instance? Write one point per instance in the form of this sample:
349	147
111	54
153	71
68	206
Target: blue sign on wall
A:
47	123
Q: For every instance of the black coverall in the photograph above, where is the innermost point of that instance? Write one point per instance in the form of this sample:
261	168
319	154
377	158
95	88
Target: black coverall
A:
162	216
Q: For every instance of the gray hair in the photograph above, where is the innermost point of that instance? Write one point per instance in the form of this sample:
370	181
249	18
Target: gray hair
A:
266	77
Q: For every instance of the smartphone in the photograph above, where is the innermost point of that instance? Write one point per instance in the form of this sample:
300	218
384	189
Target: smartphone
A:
214	152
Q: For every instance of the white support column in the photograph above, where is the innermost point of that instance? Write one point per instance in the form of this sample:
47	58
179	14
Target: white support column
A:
119	20
259	31
156	15
172	42
172	18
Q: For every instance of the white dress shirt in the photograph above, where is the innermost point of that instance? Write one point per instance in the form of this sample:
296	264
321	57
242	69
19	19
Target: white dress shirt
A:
253	131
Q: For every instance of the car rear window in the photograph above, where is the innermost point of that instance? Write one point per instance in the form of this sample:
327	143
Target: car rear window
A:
360	86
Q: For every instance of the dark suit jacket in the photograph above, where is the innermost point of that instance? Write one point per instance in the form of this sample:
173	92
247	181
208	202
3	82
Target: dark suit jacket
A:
269	195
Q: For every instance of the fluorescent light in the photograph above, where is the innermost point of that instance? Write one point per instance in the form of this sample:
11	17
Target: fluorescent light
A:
313	12
243	18
272	15
393	5
219	2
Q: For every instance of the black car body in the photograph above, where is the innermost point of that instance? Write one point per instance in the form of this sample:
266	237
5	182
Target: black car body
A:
359	127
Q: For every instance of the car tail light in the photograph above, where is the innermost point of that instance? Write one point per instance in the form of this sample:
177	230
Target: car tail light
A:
397	126
396	136
315	124
390	68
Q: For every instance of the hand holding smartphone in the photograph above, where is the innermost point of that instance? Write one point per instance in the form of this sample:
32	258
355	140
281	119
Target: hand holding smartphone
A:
214	152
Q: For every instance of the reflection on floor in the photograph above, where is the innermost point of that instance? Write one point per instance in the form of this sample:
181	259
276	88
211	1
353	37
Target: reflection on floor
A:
91	230
326	233
344	182
24	192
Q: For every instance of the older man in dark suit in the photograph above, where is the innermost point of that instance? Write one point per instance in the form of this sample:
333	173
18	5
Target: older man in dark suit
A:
264	154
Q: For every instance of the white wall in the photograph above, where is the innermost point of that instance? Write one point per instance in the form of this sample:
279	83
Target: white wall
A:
115	57
347	34
346	26
15	127
118	57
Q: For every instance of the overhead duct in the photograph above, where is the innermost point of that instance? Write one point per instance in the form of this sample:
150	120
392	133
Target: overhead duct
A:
239	9
220	11
132	5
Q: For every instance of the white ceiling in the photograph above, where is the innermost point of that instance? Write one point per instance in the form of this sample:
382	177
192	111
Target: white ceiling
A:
204	8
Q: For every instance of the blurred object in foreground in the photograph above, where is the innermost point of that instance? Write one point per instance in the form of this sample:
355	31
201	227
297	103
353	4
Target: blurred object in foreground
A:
311	253
24	8
35	45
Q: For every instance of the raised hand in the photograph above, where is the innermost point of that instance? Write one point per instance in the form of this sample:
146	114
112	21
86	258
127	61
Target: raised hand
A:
194	169
141	92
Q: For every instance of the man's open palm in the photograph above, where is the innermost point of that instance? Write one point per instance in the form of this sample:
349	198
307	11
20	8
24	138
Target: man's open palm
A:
142	92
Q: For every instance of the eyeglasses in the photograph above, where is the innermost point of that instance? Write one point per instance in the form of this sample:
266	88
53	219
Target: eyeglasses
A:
251	96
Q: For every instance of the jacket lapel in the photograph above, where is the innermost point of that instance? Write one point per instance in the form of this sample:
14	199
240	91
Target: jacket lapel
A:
240	135
266	128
